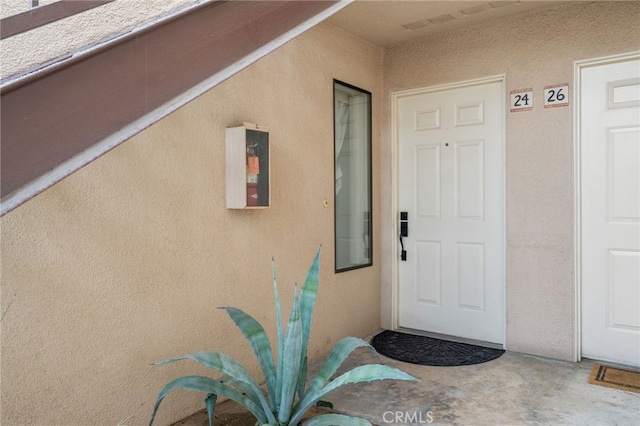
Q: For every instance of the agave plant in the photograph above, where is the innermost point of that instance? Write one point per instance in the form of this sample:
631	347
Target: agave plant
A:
288	398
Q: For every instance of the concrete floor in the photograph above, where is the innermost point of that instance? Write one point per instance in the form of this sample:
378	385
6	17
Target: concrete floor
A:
514	389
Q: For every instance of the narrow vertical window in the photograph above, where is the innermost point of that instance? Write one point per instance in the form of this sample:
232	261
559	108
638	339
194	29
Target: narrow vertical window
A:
352	175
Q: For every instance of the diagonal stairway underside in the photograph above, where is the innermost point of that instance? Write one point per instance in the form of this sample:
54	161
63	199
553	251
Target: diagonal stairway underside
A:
56	122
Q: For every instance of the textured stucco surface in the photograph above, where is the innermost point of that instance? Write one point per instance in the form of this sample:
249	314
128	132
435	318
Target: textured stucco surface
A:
124	262
27	50
533	50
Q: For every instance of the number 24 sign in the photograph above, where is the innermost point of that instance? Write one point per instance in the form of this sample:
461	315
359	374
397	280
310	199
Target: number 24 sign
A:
521	100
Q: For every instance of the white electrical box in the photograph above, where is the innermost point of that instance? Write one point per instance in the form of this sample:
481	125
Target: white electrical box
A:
248	168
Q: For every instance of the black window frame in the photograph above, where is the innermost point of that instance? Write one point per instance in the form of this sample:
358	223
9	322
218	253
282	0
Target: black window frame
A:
368	220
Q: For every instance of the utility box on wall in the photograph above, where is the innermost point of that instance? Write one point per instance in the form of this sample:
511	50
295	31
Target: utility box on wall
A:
248	168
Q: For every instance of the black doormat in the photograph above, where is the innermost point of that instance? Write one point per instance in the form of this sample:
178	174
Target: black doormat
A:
430	351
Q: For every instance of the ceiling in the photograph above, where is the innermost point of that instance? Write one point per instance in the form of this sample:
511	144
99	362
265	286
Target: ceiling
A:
388	23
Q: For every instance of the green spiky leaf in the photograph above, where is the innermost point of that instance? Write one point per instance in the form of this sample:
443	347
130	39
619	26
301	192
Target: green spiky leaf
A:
210	402
259	341
278	393
308	296
292	360
363	373
338	354
227	365
209	386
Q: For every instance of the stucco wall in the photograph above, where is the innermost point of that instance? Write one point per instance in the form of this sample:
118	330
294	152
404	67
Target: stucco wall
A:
124	262
32	48
533	50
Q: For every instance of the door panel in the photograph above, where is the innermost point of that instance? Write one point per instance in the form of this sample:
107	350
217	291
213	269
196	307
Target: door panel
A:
470	179
470	280
428	181
428	280
623	176
451	184
610	211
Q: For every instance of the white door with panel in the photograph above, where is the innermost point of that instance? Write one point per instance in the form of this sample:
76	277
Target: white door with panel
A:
451	184
610	211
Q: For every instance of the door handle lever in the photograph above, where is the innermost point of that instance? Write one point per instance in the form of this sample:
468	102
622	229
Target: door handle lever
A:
403	252
404	232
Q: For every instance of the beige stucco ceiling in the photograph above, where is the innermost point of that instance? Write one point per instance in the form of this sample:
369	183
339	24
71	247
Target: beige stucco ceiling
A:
387	23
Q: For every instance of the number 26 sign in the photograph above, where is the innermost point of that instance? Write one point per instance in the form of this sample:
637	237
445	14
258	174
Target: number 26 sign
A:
556	96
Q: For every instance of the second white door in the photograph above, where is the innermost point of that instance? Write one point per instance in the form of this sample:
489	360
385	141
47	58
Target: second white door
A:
610	211
451	185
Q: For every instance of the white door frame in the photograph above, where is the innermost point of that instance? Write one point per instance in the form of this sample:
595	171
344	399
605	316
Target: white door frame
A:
395	182
577	187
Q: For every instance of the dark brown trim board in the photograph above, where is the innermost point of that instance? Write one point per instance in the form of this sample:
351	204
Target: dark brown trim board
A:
43	15
53	125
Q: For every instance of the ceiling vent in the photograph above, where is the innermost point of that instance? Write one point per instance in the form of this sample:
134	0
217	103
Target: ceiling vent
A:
462	13
416	25
441	19
497	4
476	9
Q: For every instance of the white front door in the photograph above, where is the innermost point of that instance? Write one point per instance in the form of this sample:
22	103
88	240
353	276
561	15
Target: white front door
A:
451	185
610	211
